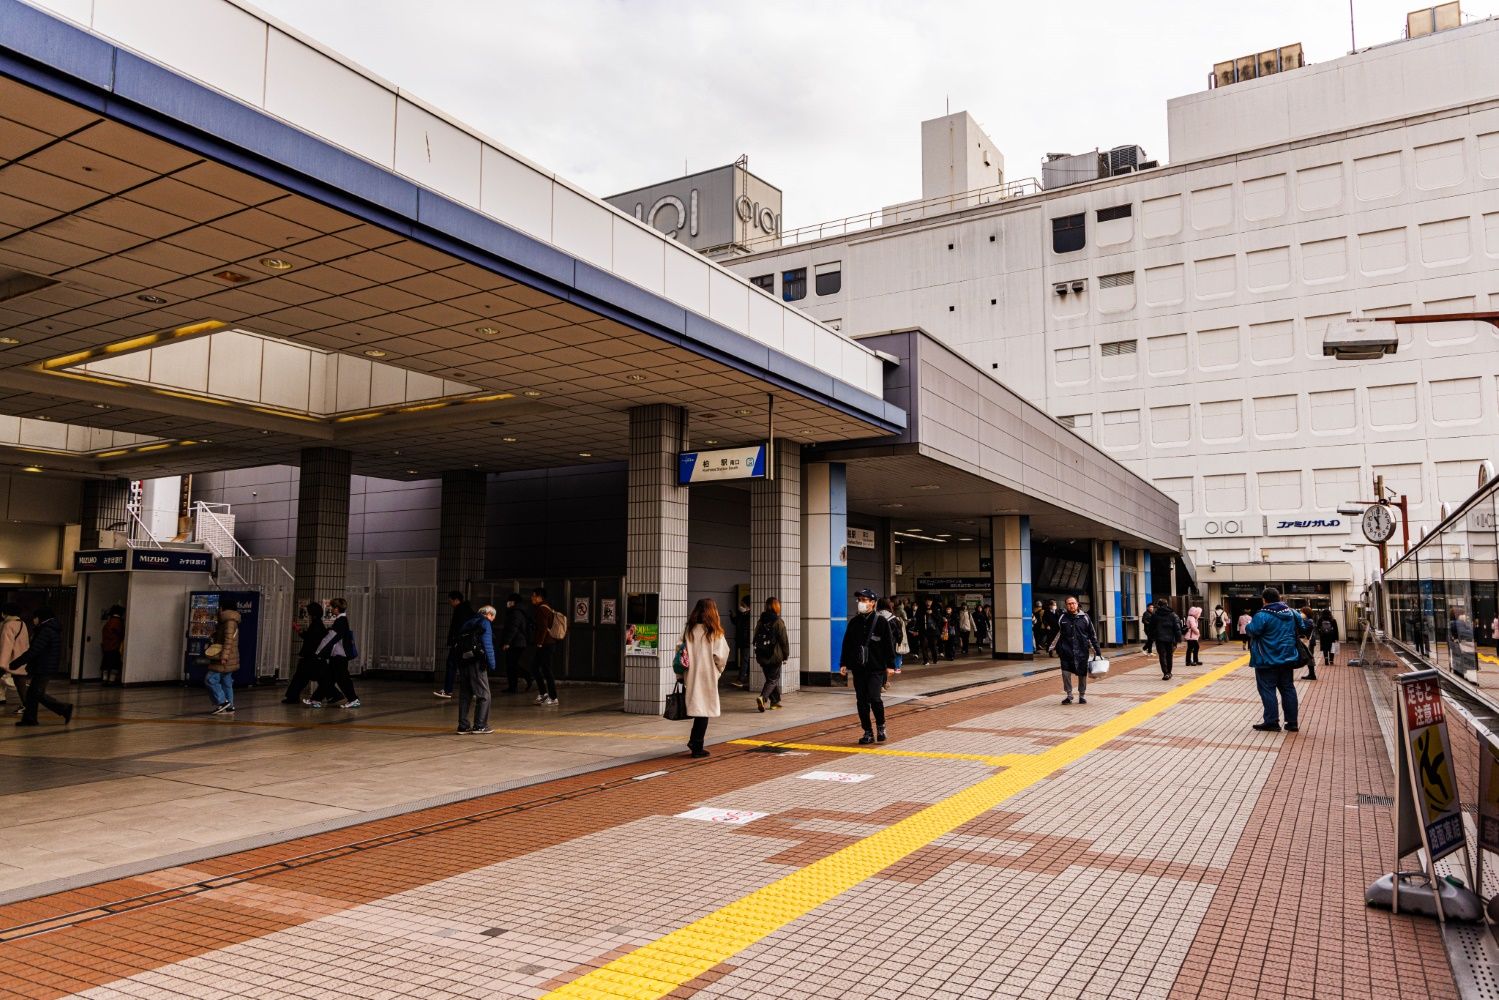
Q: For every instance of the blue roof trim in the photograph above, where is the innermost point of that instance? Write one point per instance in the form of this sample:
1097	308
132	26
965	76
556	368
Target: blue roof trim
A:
71	63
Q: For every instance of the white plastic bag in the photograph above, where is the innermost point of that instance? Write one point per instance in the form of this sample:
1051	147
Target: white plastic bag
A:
1098	666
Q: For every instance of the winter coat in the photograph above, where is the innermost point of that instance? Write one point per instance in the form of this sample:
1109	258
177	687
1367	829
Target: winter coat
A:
486	637
781	651
462	615
1194	625
881	643
112	636
741	618
541	624
1272	637
705	662
1076	637
312	637
1165	627
14	640
227	636
44	656
965	620
338	640
514	628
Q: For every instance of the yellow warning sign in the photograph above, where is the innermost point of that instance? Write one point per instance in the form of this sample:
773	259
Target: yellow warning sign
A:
1434	767
1426	774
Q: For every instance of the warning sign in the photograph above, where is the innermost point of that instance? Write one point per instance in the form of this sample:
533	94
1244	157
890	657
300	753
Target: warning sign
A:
580	610
1429	783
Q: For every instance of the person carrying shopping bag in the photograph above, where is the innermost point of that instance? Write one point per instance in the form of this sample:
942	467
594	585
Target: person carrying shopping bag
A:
1074	639
702	655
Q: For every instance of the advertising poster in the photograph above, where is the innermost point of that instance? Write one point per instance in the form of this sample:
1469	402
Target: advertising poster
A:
642	624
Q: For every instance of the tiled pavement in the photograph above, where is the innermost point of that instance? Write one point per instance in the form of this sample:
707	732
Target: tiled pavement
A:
1143	845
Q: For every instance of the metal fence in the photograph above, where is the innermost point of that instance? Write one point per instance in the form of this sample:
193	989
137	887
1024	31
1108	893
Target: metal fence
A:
393	611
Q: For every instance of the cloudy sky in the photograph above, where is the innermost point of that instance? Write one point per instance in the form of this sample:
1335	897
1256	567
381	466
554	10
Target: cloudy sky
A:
826	97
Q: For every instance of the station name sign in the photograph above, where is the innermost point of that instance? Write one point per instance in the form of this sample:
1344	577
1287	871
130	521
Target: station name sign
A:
721	465
954	583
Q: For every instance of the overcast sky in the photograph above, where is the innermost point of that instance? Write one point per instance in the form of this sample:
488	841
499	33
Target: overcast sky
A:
825	97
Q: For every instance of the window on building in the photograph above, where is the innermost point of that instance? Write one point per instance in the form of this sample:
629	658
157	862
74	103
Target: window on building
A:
1116	280
829	278
1069	233
765	281
794	284
1116	212
1118	347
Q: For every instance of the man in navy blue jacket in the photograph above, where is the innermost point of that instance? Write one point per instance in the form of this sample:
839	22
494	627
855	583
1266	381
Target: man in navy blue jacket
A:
474	648
1274	656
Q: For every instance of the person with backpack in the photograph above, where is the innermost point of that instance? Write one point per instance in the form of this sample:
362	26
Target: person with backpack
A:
474	651
335	650
742	618
463	613
772	648
223	664
1272	634
704	652
15	638
42	659
1327	635
513	644
1074	640
1166	634
868	653
309	668
548	629
1220	624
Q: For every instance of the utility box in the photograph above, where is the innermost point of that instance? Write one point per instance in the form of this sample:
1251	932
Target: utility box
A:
1062	169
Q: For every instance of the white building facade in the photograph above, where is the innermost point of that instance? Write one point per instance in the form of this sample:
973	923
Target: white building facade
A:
1174	316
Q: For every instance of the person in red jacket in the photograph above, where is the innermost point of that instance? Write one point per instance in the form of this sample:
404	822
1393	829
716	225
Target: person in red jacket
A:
543	641
111	642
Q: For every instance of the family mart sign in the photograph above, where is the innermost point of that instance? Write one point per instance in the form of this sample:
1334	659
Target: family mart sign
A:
1308	523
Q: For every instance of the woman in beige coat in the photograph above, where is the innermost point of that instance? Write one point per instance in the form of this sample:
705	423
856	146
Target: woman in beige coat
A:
705	655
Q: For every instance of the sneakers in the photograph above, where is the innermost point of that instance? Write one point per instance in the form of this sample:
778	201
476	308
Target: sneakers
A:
866	739
463	730
699	753
1292	727
1273	727
550	701
541	699
760	703
1081	700
880	737
312	704
443	694
775	706
348	704
482	731
1067	700
221	709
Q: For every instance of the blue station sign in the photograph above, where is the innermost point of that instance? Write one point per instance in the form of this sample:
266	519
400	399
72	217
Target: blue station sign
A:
721	465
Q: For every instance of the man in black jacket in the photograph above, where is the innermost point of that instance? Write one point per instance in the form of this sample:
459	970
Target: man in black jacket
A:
463	613
41	661
743	621
1165	631
869	653
513	642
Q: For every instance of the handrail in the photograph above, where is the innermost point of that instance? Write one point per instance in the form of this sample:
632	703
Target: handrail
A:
200	507
130	542
875	219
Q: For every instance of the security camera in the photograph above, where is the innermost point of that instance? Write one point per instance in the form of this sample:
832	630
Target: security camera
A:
1360	339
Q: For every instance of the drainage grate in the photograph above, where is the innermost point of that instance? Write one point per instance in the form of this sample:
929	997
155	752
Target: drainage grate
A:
1375	800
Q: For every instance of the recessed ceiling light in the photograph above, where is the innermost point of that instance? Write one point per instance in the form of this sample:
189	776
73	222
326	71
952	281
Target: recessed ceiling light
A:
711	441
892	506
487	331
744	411
101	406
9	341
410	472
585	454
532	393
265	432
276	264
636	377
233	277
374	352
965	539
43	416
32	468
155	300
509	440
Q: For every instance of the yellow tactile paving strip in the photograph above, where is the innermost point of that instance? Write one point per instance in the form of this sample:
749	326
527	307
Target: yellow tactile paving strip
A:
657	969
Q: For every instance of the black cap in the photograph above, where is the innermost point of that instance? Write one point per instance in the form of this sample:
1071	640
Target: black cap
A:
866	592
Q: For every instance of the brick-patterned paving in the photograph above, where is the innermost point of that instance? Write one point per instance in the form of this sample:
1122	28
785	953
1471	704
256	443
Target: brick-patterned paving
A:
1195	858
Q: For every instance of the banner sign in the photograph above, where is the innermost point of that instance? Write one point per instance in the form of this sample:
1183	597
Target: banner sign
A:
953	583
1308	523
860	538
171	561
1428	781
96	560
721	465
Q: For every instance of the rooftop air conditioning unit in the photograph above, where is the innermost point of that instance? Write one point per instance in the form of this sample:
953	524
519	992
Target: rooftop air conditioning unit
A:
1125	159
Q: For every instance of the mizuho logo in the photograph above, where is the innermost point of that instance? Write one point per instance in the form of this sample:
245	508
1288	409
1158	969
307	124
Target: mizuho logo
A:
155	560
1319	522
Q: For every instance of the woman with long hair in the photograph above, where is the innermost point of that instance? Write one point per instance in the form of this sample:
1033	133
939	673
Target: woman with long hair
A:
705	652
772	647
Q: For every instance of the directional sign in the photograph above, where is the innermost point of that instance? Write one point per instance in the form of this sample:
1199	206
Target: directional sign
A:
721	465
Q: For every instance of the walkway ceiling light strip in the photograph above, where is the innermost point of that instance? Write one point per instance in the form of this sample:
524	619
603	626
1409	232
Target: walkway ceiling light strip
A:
132	344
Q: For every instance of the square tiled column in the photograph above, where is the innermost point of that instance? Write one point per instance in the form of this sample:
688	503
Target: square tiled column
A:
656	562
461	543
1109	615
824	564
776	554
322	524
104	503
1010	555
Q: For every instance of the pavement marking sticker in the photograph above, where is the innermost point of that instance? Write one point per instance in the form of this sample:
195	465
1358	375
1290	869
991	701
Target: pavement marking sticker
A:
875	751
843	777
655	970
727	817
649	774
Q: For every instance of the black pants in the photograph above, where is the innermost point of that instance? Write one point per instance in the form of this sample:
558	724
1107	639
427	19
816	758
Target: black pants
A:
473	686
771	692
336	681
928	648
867	687
111	665
1148	643
308	670
964	641
742	662
1165	652
36	694
1194	652
450	670
541	666
1327	654
515	669
699	732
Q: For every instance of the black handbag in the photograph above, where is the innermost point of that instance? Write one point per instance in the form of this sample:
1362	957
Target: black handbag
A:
676	704
1304	657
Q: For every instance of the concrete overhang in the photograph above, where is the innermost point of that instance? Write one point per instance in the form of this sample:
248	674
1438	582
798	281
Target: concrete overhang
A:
136	200
973	448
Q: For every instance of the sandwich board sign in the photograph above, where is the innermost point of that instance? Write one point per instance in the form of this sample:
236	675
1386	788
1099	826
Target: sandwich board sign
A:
1428	814
1488	803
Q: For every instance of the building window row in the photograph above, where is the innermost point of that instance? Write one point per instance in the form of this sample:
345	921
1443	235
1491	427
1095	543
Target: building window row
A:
827	280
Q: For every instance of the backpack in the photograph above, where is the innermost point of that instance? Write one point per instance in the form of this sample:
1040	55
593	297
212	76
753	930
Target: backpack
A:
765	642
1326	628
471	644
558	629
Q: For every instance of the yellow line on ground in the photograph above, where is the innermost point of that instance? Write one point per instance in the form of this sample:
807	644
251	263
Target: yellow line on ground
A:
655	970
875	751
372	727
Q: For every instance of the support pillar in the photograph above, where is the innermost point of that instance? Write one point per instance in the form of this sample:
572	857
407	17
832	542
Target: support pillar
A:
825	596
1145	576
776	554
1111	601
656	562
461	543
104	503
1010	557
322	561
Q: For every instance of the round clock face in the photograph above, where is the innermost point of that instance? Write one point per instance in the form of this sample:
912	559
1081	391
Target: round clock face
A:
1379	523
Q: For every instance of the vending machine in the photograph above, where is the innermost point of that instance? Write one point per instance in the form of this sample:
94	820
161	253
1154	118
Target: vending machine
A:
203	607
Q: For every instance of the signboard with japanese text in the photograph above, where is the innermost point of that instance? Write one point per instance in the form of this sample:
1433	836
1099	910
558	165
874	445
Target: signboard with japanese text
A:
860	538
642	624
608	611
721	465
1429	783
98	560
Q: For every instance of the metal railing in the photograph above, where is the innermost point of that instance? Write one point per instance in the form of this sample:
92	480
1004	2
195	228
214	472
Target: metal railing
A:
909	211
200	508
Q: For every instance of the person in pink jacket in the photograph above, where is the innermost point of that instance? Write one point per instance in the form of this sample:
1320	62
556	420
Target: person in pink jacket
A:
1193	635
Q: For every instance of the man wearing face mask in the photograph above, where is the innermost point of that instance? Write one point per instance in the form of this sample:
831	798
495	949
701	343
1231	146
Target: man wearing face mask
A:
869	654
